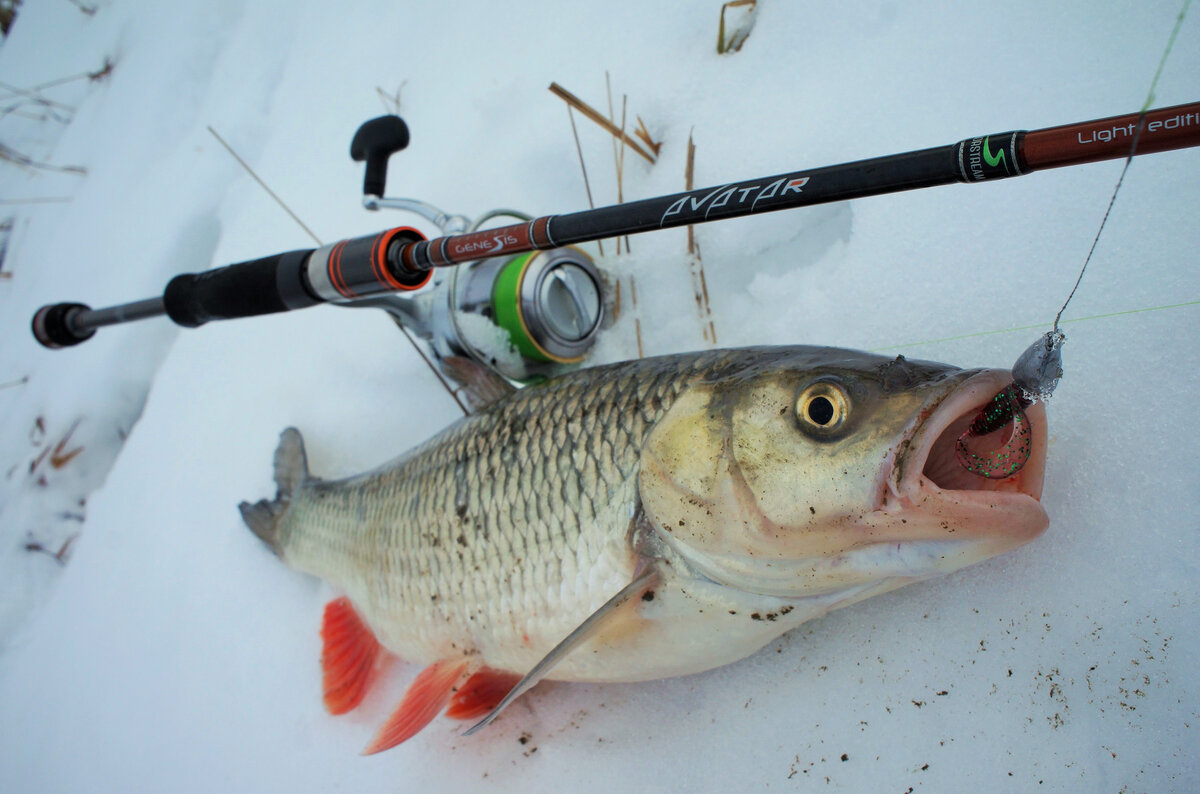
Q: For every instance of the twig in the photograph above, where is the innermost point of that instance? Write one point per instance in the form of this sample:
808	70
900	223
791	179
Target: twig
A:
12	383
586	184
263	185
592	114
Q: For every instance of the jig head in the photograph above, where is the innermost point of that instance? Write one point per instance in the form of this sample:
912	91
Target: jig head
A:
1035	375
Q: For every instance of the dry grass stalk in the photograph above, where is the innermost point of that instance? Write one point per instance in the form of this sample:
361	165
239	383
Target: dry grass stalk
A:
37	200
696	263
263	185
23	161
59	556
34	96
644	134
391	102
104	71
740	32
637	324
594	115
87	10
587	185
616	157
621	163
18	382
407	334
58	455
618	151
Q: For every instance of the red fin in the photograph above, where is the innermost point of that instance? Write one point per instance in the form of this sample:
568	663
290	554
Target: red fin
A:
348	658
481	693
427	696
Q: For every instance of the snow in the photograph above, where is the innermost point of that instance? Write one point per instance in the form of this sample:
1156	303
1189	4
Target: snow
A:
174	653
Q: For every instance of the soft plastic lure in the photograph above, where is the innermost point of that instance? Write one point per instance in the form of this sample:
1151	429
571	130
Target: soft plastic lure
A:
980	449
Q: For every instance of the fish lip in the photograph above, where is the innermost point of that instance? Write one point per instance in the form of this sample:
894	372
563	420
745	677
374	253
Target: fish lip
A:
929	441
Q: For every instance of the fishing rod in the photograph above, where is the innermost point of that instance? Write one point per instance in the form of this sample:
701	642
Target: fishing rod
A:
401	259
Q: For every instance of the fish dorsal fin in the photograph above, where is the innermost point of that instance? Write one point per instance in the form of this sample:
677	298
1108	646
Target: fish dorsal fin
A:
482	693
480	385
650	577
349	658
423	701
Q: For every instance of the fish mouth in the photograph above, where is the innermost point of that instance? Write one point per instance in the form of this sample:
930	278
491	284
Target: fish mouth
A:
926	476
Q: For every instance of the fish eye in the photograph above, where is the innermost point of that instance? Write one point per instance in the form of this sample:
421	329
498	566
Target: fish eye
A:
822	408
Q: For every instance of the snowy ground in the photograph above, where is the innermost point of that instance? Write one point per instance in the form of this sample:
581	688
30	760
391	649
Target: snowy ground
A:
173	653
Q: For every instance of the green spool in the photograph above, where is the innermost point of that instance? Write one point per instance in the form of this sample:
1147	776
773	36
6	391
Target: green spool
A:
506	304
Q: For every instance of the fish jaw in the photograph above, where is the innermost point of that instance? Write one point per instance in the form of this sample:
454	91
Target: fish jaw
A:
917	514
930	502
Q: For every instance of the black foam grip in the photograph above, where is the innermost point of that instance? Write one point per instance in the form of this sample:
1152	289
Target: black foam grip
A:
52	325
263	286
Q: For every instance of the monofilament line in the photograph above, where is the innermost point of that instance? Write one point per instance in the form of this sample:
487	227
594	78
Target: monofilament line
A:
416	347
1132	151
263	185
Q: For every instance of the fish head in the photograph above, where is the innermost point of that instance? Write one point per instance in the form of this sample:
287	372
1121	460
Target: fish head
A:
821	472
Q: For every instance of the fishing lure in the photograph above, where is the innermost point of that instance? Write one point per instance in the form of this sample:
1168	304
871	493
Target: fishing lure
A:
980	449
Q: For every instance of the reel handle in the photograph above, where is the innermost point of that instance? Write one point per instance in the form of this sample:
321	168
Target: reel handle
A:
376	141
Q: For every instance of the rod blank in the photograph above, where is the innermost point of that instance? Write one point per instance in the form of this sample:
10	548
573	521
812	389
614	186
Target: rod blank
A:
401	259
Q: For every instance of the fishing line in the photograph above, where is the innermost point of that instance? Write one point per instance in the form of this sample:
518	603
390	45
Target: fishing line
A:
997	443
1016	328
436	373
1129	159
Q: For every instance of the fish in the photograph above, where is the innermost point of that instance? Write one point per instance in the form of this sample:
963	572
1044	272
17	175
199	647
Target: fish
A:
643	520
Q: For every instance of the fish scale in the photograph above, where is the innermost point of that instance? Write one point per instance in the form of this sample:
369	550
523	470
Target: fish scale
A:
538	491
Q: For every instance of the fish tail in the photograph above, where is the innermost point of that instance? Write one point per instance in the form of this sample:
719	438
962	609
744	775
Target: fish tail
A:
291	470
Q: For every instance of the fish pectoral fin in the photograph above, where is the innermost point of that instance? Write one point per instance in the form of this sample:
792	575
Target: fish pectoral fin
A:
350	656
650	577
423	701
481	693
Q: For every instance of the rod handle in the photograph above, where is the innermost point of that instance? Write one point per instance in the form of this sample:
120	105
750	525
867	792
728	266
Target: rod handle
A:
262	286
53	326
